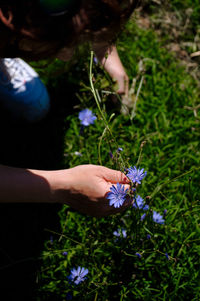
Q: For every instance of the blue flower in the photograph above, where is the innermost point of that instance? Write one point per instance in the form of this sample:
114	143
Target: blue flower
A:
120	232
117	195
111	155
148	236
64	253
167	256
87	117
136	175
95	59
143	217
139	203
158	218
138	255
78	275
120	149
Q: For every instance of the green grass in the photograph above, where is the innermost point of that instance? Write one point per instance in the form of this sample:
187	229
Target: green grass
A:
166	121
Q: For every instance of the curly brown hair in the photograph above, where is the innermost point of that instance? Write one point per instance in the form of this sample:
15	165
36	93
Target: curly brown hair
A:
28	32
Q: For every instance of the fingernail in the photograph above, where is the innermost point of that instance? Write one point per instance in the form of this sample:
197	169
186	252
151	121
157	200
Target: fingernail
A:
126	180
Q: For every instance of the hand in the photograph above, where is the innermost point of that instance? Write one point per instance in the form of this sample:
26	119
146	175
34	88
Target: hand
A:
110	60
85	188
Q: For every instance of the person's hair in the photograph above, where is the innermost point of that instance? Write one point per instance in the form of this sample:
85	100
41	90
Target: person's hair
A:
29	32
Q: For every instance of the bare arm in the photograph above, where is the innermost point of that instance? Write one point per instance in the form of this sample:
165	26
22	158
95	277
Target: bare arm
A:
24	185
83	187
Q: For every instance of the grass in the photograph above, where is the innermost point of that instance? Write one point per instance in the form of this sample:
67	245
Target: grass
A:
163	136
166	123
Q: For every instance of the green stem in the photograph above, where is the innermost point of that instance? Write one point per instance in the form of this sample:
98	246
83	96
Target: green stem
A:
96	97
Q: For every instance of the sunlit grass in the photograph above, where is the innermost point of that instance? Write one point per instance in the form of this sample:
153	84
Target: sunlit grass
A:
165	134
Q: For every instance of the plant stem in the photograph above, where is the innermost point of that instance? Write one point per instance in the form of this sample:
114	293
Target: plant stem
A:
97	99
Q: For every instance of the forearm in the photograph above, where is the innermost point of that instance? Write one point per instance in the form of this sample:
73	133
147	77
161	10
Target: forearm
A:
26	185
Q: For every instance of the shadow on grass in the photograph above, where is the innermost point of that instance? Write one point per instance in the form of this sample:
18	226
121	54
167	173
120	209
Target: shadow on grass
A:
36	146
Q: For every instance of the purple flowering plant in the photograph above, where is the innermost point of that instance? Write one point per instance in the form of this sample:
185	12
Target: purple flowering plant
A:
136	174
118	242
158	218
78	275
139	203
86	117
117	195
120	233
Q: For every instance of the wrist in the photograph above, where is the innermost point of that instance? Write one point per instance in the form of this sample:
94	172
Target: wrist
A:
59	185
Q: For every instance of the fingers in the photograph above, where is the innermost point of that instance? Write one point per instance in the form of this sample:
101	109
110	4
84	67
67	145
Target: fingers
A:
115	176
123	83
121	86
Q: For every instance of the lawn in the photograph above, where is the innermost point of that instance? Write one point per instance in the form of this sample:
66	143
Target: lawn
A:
146	260
129	256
